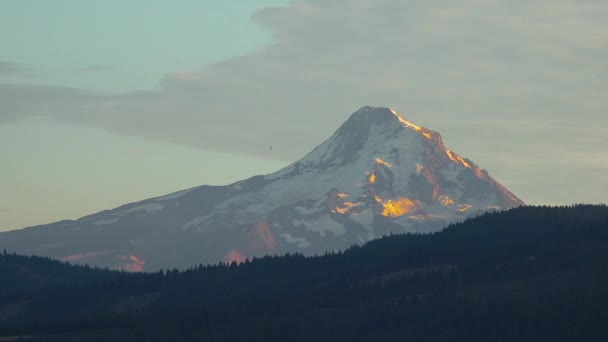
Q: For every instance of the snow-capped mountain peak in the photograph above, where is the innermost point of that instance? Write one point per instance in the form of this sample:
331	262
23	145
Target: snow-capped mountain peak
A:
377	174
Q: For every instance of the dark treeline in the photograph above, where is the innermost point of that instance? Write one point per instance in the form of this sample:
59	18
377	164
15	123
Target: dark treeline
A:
529	274
27	274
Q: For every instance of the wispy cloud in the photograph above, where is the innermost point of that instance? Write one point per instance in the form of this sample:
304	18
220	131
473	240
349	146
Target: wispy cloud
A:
97	68
15	69
18	101
486	73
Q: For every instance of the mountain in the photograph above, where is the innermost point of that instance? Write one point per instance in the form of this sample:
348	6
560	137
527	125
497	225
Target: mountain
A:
527	274
377	174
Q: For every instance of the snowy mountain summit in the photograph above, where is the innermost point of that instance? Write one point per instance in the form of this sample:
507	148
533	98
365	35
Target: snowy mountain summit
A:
377	174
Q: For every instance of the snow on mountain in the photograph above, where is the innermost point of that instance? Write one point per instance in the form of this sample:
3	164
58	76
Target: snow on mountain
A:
377	174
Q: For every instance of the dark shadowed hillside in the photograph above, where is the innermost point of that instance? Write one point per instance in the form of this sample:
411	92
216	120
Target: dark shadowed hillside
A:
25	274
529	274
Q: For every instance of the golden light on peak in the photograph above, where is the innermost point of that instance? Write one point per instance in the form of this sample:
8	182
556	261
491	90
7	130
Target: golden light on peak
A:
372	178
418	129
458	159
382	162
345	207
446	201
465	207
398	207
337	205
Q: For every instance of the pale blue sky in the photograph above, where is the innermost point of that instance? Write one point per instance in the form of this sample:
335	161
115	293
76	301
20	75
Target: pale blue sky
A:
52	171
65	171
517	86
117	45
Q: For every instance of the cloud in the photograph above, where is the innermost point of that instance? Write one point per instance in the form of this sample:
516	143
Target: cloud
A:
14	69
19	101
518	77
97	68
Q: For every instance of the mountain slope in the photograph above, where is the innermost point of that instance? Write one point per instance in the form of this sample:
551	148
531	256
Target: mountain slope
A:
377	174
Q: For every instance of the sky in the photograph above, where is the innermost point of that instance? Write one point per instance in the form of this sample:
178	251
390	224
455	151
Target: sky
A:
108	102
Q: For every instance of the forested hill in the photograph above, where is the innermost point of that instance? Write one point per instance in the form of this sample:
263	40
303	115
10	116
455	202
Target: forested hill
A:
529	274
26	274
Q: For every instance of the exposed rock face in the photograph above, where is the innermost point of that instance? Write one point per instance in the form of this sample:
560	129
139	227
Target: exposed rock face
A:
377	174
